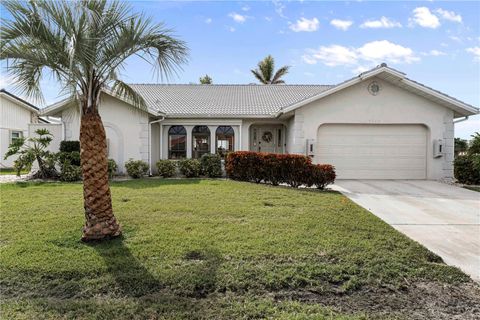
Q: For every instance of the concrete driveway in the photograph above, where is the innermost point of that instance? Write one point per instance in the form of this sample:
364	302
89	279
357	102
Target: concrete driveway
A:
444	218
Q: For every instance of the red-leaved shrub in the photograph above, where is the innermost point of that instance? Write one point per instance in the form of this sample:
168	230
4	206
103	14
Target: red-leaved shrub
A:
320	175
292	169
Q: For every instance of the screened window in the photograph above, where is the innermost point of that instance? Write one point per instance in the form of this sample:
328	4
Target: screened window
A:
225	140
15	135
177	142
201	141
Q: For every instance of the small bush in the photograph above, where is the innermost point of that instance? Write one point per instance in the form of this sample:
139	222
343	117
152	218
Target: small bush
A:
292	169
136	168
69	146
467	169
112	168
320	176
190	168
70	172
166	168
211	165
72	157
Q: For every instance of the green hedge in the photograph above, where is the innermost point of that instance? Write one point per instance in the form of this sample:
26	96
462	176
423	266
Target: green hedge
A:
467	169
136	168
211	165
166	168
190	168
69	146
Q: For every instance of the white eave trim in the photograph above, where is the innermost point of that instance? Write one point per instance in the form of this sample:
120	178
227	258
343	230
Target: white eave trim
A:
454	104
472	110
56	107
21	103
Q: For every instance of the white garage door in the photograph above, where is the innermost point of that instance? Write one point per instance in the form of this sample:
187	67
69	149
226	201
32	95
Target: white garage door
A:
364	151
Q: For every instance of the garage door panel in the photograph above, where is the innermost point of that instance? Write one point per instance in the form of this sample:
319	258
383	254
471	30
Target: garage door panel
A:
368	150
374	151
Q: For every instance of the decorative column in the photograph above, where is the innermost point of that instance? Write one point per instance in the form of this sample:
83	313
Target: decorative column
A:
213	135
189	140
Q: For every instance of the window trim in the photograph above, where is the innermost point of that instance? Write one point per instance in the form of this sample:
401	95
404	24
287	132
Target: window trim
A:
229	137
179	133
20	136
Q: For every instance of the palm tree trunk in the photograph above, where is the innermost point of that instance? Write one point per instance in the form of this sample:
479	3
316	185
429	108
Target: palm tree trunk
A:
100	221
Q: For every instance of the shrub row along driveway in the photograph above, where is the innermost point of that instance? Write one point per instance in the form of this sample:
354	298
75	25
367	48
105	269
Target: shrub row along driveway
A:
203	249
444	218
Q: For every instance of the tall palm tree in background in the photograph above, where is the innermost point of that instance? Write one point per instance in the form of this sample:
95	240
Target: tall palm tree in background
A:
84	45
265	71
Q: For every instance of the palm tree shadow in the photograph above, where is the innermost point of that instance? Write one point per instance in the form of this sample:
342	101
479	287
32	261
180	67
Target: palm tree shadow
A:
131	277
197	274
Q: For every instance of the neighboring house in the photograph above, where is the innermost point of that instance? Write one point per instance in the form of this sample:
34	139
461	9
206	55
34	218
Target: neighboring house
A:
16	116
378	125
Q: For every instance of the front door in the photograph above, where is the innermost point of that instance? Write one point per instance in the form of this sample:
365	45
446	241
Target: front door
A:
267	139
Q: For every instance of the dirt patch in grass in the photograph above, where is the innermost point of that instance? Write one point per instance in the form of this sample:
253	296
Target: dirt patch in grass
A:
424	300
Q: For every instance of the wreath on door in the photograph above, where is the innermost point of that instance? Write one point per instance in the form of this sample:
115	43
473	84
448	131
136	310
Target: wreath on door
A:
267	136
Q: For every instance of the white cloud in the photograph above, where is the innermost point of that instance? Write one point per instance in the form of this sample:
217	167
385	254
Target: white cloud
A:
237	17
6	80
245	8
279	7
268	19
435	53
449	15
385	50
384	22
305	25
425	18
331	56
475	51
341	24
361	69
455	38
231	29
373	52
309	74
208	20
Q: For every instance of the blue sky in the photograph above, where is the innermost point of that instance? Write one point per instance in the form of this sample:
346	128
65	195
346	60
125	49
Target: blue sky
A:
435	43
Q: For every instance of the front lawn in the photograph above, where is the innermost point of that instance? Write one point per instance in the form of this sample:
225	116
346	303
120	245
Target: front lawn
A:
202	249
473	188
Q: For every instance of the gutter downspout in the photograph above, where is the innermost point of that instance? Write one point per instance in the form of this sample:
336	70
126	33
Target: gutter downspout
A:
150	143
461	120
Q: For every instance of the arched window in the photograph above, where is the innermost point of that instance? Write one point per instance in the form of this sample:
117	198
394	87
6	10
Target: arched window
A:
225	140
177	142
201	141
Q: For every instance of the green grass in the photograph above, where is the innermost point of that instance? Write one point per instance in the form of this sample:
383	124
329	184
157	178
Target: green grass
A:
201	249
473	188
10	171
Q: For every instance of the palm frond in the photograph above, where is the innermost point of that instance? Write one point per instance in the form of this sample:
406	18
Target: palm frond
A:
258	74
280	73
83	44
124	91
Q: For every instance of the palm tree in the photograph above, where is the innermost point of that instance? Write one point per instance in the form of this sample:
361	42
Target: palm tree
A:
264	72
84	45
206	79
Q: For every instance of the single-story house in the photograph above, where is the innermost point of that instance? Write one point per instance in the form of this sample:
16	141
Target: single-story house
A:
17	115
377	125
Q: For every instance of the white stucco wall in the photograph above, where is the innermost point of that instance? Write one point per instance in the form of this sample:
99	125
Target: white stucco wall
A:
126	129
13	117
391	106
54	128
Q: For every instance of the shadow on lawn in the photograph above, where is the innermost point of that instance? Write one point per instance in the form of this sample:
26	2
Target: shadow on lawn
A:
152	182
193	276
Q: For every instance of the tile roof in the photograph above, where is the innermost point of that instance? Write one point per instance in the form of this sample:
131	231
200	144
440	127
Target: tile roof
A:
228	100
